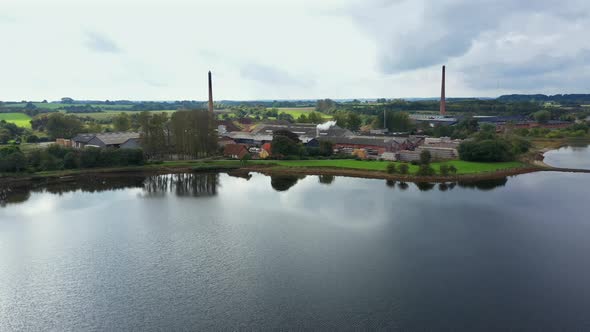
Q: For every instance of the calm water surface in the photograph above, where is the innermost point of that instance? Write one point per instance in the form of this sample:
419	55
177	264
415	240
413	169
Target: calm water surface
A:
575	156
210	252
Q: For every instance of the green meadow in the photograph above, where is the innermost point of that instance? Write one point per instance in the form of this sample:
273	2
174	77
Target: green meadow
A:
20	119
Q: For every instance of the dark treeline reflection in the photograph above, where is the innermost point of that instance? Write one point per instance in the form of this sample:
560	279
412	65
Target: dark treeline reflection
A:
184	184
327	179
19	194
284	182
193	185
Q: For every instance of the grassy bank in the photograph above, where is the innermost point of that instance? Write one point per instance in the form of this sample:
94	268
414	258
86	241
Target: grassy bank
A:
463	167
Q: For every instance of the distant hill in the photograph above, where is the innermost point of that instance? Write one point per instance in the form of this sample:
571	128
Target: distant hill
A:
562	99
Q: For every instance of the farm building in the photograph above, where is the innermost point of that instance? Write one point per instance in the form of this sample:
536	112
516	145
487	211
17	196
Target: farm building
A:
374	145
235	151
123	140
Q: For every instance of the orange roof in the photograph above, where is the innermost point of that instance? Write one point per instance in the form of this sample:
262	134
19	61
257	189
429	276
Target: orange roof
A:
267	147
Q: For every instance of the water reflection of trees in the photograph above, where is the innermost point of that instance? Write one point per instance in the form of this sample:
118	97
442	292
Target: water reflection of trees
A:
403	186
425	186
184	184
327	179
284	182
484	184
181	184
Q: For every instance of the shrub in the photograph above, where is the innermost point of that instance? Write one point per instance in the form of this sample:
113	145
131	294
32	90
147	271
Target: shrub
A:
489	150
425	157
391	168
71	160
444	170
404	168
32	139
425	170
452	169
415	162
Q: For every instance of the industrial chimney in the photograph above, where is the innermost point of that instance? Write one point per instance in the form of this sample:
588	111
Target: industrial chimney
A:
210	94
443	103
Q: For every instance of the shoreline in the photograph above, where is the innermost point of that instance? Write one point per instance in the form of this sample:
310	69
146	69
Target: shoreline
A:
532	162
269	170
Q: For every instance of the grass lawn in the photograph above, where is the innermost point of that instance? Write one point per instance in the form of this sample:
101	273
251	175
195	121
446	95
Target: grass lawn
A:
463	167
20	119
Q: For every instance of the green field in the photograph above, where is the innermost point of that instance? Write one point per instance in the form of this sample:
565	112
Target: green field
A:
463	167
295	112
56	106
20	119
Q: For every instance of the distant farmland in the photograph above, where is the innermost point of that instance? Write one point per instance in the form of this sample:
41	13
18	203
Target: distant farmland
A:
295	112
20	119
109	115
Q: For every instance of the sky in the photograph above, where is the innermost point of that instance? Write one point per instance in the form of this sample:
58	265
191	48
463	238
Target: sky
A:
291	49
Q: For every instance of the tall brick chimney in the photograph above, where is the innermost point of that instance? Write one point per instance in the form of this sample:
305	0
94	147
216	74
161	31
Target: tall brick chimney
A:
443	103
210	94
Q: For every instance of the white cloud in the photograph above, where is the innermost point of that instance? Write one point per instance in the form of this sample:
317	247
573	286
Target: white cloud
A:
265	49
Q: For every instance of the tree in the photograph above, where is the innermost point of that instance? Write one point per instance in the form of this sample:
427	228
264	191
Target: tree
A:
444	170
122	122
63	126
314	117
284	146
302	118
542	116
325	105
326	148
488	150
425	170
395	121
354	121
285	117
425	157
404	168
391	168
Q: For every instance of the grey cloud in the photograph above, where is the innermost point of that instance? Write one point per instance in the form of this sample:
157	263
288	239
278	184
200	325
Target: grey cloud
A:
271	75
100	43
444	30
543	72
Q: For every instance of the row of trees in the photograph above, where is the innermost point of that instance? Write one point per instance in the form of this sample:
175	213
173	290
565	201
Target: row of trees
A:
187	134
487	146
56	157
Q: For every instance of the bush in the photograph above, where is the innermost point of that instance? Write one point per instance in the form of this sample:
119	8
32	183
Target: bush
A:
391	168
425	157
489	150
415	162
32	139
425	170
71	160
12	162
404	168
452	169
444	170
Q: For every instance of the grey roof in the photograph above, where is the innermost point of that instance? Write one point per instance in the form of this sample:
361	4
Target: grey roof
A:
301	129
83	138
365	140
116	138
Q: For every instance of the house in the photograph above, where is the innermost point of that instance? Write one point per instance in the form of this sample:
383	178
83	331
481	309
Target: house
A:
124	140
235	151
80	140
223	141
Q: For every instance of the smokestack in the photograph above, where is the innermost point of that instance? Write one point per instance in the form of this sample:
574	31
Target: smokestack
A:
443	103
210	94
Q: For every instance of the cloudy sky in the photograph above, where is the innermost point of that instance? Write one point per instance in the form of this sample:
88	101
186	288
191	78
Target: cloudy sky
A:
290	49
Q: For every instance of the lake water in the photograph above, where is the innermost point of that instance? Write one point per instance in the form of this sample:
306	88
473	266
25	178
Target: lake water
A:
573	156
220	252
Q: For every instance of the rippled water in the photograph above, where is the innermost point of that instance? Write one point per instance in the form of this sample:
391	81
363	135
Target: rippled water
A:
569	157
210	252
